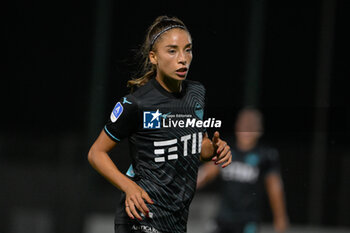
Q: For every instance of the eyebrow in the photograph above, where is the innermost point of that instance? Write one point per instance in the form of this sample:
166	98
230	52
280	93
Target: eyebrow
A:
175	46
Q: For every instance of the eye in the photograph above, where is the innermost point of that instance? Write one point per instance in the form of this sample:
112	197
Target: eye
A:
171	51
189	50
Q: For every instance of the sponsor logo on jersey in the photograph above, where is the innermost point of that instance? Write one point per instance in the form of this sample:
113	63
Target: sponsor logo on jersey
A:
117	111
241	172
191	122
144	229
155	120
168	150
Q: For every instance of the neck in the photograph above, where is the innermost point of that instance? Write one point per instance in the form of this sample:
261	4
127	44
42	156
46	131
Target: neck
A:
246	145
169	84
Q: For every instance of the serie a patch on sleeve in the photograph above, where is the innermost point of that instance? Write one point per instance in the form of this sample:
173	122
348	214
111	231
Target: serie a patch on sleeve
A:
117	111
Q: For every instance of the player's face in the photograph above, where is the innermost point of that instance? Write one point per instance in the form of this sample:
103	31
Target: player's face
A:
173	54
248	128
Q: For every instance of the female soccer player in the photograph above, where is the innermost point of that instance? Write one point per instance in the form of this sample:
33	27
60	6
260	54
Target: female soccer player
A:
162	120
242	183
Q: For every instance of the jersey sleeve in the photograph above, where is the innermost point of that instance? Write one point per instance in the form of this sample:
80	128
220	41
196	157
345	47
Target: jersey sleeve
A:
123	120
272	163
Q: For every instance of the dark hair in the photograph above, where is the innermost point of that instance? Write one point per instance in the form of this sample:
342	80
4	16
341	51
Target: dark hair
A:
147	69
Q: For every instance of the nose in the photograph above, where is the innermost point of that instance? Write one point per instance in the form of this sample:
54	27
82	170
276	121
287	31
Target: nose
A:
182	58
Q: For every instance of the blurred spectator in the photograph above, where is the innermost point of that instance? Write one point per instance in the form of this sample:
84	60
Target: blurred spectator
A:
254	168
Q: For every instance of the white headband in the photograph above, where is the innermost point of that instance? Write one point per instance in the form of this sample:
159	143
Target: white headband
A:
164	30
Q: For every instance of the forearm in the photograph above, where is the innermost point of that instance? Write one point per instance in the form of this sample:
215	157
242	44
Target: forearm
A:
206	174
276	196
103	164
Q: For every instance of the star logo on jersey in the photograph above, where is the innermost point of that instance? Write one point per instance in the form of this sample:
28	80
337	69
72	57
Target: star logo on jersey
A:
151	119
156	115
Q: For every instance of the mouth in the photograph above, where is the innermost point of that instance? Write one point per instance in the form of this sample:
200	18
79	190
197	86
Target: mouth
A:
182	71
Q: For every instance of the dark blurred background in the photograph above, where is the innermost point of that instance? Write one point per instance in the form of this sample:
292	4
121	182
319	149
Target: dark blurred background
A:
67	63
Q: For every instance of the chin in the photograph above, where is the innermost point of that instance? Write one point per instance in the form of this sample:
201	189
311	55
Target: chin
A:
179	78
176	77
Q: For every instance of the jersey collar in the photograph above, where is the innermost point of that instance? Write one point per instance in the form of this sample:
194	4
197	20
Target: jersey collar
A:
176	95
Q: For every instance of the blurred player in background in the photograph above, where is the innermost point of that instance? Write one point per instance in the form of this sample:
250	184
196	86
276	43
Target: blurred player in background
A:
254	168
159	186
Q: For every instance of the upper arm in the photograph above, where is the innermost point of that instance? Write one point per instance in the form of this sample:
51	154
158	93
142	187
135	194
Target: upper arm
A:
272	163
273	181
103	143
121	123
124	119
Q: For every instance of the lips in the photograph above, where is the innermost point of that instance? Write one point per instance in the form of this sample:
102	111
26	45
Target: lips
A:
182	71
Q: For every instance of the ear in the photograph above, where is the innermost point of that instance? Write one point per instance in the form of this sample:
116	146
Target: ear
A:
153	57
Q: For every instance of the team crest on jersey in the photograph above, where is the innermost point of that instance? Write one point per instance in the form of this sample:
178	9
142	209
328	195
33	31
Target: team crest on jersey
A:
198	110
117	111
151	119
252	160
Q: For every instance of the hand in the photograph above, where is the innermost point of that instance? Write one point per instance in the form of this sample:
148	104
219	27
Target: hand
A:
134	201
222	151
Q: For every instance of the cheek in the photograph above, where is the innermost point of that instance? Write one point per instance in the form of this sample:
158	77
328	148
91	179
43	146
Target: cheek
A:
165	62
189	57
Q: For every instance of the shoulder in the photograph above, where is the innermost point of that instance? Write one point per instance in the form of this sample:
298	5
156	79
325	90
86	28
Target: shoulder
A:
268	151
143	90
195	88
194	84
140	94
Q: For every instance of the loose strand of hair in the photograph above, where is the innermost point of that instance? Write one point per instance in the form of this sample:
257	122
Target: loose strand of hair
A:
138	82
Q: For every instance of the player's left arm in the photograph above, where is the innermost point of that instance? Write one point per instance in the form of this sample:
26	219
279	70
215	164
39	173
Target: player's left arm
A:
216	150
274	187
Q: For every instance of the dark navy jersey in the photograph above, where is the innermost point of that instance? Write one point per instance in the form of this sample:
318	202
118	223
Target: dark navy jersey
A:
242	183
165	143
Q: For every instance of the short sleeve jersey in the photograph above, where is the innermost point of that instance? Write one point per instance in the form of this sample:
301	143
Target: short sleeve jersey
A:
165	146
242	183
